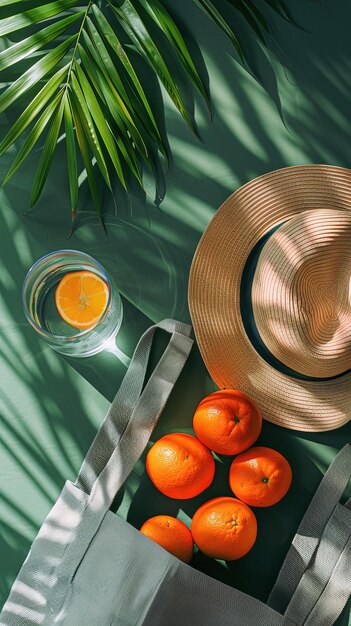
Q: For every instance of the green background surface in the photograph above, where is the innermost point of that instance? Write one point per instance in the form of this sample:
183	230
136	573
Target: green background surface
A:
51	406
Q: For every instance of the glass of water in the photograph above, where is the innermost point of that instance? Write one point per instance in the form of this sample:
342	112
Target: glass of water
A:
39	297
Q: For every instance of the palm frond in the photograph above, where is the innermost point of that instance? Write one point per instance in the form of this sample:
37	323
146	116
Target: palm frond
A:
47	154
33	16
214	14
33	136
85	82
34	108
23	49
72	163
89	127
132	23
35	73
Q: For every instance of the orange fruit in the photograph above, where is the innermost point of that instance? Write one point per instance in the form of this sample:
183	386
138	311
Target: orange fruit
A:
224	528
227	421
260	476
81	298
180	466
171	534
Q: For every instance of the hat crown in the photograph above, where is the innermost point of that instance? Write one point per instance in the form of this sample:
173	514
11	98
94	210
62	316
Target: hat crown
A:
301	293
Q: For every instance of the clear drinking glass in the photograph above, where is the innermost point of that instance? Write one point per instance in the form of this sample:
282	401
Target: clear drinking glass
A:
39	305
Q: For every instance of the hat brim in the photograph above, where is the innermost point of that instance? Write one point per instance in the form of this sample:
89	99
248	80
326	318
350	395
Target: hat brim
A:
214	296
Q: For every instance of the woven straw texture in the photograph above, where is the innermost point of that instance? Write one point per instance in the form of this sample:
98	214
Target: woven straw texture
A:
301	293
302	310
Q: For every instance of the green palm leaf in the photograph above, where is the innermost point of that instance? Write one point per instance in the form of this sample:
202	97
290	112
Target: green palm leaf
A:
100	122
210	9
89	128
33	137
84	150
164	21
34	74
123	140
37	104
35	42
85	78
137	122
47	155
72	164
112	39
28	18
133	25
104	92
5	3
90	67
107	61
106	71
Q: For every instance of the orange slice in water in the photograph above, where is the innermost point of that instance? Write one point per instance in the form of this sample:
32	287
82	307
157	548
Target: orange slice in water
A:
81	298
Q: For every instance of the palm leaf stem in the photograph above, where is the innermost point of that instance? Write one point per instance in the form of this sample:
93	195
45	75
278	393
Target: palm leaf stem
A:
77	42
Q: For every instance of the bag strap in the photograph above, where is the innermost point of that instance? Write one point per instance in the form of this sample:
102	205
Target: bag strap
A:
335	594
311	530
133	414
310	595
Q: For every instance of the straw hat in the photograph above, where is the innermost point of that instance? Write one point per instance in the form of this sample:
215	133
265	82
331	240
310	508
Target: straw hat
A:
270	295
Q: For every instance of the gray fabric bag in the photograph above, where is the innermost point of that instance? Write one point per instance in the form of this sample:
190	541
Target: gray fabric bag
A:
88	567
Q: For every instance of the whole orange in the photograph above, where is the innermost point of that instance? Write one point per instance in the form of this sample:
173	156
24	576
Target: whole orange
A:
260	476
170	533
224	528
227	421
180	466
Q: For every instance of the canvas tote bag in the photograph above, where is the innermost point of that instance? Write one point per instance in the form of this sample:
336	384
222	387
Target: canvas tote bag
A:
88	567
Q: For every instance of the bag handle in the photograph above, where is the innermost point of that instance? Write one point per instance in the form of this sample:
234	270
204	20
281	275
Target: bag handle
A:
335	594
311	529
133	414
325	572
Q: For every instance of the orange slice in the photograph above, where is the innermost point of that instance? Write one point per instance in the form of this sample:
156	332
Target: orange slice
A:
81	298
